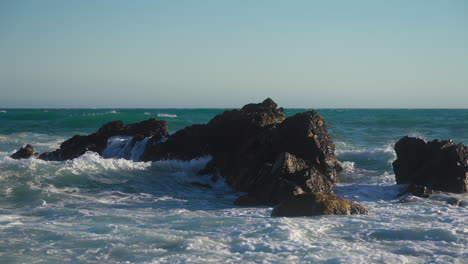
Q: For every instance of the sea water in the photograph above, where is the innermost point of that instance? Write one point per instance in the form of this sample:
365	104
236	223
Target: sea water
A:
115	209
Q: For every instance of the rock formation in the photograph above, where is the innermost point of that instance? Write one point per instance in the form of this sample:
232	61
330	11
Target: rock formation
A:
25	152
259	151
438	165
312	204
256	149
97	142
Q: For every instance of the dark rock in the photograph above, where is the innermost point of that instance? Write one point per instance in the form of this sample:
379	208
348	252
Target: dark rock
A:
202	185
24	152
312	204
259	151
246	200
455	201
416	190
438	165
186	144
96	142
223	134
290	158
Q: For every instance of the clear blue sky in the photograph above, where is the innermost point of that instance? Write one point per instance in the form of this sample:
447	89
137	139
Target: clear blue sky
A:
314	54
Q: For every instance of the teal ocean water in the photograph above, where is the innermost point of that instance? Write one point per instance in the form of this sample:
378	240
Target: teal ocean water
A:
97	210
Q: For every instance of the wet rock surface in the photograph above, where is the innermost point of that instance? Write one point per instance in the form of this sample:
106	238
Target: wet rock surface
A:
256	149
259	151
25	152
96	142
438	165
313	204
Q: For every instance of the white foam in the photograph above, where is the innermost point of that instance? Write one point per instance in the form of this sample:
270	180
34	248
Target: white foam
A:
118	147
125	147
147	113
138	149
3	111
92	162
167	115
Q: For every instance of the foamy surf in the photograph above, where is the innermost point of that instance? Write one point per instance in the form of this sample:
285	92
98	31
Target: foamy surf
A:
167	115
115	210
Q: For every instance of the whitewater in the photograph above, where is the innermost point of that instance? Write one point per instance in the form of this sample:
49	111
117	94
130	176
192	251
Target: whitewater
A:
116	209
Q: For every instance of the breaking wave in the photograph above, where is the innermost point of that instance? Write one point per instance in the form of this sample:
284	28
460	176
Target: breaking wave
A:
167	115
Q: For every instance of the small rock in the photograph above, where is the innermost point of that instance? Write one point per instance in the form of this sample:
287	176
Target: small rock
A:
312	204
24	153
455	201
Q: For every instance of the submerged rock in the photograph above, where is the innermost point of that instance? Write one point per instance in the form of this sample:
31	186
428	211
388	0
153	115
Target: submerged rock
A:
416	190
24	152
455	201
312	204
438	165
97	142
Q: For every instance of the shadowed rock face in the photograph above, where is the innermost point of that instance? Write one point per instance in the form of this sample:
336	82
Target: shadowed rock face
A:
438	165
24	152
97	142
259	151
312	204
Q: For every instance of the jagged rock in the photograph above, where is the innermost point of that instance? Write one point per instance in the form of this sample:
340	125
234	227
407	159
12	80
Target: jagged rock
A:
224	133
96	142
24	152
259	151
256	149
312	204
290	158
438	165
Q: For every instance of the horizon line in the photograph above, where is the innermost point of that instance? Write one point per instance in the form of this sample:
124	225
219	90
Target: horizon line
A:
227	108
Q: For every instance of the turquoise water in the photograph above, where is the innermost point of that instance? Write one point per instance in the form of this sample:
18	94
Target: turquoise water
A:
96	210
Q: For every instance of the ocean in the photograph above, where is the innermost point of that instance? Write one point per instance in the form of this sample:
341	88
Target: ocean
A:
111	210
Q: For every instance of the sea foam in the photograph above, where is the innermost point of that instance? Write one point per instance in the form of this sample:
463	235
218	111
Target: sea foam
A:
167	115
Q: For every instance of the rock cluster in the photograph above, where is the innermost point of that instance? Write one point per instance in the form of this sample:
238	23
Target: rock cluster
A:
438	165
97	142
256	149
259	151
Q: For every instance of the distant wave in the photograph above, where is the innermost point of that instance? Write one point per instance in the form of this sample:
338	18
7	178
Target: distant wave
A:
112	112
147	113
167	115
3	111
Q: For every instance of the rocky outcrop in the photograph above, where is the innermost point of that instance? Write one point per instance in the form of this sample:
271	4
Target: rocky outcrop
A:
256	149
25	152
312	204
259	151
96	142
223	134
438	165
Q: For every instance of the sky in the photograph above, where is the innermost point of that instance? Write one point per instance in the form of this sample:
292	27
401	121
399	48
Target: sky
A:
222	54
